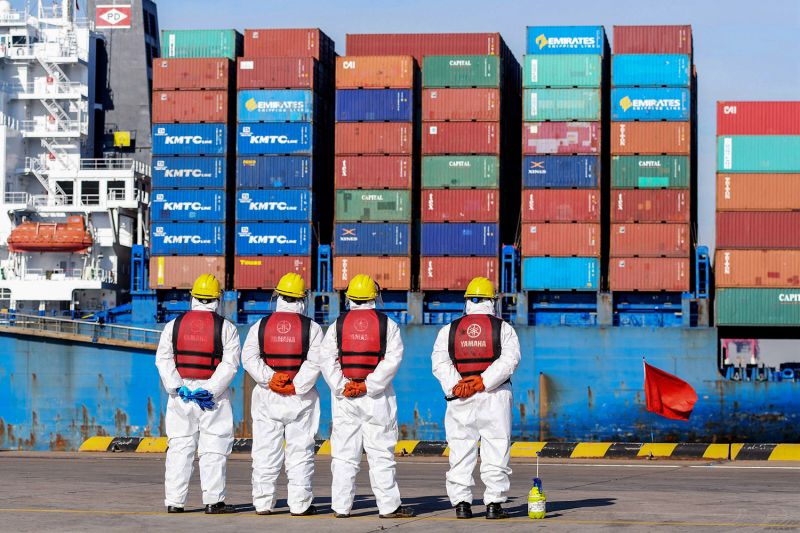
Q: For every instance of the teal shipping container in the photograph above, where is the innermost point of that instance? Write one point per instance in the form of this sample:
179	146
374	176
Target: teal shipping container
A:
561	104
539	71
758	153
560	273
461	71
650	171
651	70
201	43
758	307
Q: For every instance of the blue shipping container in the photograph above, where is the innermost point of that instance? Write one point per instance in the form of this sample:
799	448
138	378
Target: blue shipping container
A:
185	205
374	105
460	239
273	205
669	70
566	40
371	239
187	238
274	172
279	105
189	139
561	171
189	172
560	273
274	138
632	103
273	238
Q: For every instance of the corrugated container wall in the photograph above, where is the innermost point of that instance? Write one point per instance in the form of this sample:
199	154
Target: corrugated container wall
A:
542	71
650	240
650	205
757	268
373	172
651	70
561	205
201	43
460	205
279	73
560	273
634	138
561	104
391	273
189	139
176	272
460	138
758	230
190	106
652	40
460	171
558	171
192	73
373	205
758	192
274	172
273	204
461	71
187	238
277	105
274	138
372	239
565	40
273	238
662	103
253	272
422	44
198	205
374	105
758	307
652	274
301	42
375	72
189	172
353	138
650	172
561	138
461	104
566	240
754	153
455	273
460	239
758	118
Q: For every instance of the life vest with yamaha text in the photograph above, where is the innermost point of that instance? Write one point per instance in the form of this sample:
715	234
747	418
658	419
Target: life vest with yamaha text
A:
283	339
197	344
474	343
361	338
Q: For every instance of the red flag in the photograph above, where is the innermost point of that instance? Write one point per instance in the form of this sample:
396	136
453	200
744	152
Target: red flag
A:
668	395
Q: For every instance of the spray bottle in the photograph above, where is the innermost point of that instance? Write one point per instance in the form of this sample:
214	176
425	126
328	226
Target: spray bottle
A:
537	503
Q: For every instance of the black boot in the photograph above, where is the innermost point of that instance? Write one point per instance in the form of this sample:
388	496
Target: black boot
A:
174	509
400	512
341	515
308	512
220	508
494	511
463	510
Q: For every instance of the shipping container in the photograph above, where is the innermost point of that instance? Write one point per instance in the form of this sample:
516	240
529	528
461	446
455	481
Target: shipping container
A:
560	273
273	238
460	239
561	171
267	138
375	72
758	307
561	240
758	192
372	172
201	43
275	105
652	40
374	105
560	138
176	272
425	44
253	272
541	71
650	240
460	138
190	106
758	153
650	205
561	205
189	139
653	104
185	205
758	118
632	138
189	172
560	104
295	42
648	274
455	273
461	104
461	71
650	172
758	229
274	172
192	73
757	268
187	238
372	239
390	273
353	138
292	205
460	171
651	70
373	205
279	73
566	40
460	205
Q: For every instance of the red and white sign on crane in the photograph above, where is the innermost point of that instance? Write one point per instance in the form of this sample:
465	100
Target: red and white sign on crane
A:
113	17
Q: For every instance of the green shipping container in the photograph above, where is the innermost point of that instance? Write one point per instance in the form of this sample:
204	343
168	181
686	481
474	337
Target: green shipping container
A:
201	43
561	71
461	71
758	307
373	206
758	153
650	171
460	172
561	104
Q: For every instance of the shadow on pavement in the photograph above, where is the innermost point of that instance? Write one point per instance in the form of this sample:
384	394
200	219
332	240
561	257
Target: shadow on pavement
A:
578	504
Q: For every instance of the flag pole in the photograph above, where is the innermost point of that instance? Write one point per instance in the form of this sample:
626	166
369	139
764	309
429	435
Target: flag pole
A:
644	371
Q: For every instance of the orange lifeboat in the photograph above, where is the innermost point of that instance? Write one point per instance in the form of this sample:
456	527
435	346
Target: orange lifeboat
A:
71	236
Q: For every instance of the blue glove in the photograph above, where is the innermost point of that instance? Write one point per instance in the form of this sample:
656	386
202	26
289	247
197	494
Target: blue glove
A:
203	398
184	392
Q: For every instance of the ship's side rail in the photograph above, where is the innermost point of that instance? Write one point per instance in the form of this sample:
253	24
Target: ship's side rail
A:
78	330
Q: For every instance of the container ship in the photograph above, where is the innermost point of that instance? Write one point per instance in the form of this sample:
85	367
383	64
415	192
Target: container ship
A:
136	159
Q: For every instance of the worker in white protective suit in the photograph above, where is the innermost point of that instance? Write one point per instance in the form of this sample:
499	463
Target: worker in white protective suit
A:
281	353
473	359
197	358
361	353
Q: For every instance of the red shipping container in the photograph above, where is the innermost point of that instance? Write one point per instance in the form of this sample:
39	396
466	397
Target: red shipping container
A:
425	44
191	73
650	240
278	73
561	240
461	104
372	172
391	273
455	273
374	138
460	138
460	205
650	274
190	106
300	42
652	40
630	138
757	268
264	272
353	72
758	229
561	205
650	205
758	118
758	192
179	272
560	138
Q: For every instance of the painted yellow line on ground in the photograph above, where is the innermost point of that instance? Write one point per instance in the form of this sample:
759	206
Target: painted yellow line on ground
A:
785	452
324	448
590	450
716	451
95	444
526	449
656	449
152	445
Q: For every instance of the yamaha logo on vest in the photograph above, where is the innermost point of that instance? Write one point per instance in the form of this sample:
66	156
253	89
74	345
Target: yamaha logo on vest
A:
474	331
283	327
361	325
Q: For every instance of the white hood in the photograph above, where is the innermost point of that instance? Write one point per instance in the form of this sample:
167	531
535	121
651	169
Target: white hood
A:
354	306
298	306
484	307
197	305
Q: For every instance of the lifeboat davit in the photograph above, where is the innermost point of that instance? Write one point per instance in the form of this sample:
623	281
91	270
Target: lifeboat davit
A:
69	236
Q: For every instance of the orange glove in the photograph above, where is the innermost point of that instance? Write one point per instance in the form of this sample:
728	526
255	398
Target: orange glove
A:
462	390
279	379
286	390
475	382
354	389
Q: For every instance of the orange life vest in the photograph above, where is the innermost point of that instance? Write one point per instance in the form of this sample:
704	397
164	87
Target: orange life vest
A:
197	344
284	340
361	338
474	343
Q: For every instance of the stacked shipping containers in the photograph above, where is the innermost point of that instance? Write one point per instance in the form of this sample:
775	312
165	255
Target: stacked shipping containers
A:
757	262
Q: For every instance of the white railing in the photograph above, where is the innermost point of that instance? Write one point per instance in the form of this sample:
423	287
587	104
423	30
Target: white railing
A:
50	89
90	199
107	164
14	197
75	127
95	331
117	195
70	274
13	16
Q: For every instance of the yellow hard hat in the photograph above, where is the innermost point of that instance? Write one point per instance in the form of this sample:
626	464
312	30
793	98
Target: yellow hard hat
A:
292	285
480	288
362	288
206	287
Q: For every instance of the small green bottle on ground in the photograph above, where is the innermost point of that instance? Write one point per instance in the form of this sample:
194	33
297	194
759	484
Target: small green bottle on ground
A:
537	503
